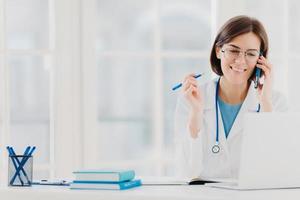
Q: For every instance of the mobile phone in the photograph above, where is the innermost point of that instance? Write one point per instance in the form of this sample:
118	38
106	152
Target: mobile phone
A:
257	77
258	74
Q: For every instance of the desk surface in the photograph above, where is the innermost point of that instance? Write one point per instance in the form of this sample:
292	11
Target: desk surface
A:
145	193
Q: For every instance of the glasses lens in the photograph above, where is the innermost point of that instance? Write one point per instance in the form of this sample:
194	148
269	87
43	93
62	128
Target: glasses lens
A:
232	53
250	56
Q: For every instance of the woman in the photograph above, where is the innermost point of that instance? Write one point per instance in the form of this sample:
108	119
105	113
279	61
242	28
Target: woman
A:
209	117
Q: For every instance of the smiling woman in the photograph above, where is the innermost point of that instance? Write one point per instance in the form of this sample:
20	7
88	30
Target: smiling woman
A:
240	46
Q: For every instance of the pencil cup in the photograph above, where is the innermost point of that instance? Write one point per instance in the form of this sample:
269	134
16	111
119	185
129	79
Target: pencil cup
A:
20	170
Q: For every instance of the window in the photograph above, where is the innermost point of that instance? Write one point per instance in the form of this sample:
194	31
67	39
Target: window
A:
26	57
142	48
89	82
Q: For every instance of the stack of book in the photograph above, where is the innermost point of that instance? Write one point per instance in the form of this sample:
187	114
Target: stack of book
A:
105	180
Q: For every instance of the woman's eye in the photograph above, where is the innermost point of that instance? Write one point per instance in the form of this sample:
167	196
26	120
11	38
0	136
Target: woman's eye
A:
234	51
251	54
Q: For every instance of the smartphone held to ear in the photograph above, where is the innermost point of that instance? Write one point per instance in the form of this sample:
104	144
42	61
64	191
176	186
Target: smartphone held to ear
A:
258	74
257	77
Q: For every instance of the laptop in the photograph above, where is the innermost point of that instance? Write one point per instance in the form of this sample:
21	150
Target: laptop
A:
270	153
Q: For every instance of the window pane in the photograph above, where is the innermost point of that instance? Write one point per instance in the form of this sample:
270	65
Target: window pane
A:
185	24
27	24
125	107
293	77
175	69
2	97
39	174
30	105
279	69
294	28
125	25
122	140
269	19
125	88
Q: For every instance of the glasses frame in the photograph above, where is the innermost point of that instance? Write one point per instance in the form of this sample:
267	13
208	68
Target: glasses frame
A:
244	53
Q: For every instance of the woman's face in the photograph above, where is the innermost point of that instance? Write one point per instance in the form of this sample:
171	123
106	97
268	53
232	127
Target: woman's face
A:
239	57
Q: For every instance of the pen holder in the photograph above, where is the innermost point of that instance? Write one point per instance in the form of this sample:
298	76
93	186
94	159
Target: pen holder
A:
20	170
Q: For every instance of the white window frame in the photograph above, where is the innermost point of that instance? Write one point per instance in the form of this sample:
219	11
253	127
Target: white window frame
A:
5	90
67	152
65	89
89	88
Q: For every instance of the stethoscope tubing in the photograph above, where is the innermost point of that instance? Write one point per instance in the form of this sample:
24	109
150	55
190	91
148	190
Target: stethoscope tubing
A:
216	147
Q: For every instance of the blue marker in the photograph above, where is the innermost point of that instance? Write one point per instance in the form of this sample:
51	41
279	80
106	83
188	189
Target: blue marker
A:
11	154
180	84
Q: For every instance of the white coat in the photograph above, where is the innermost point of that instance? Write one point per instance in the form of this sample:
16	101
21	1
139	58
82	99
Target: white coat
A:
194	156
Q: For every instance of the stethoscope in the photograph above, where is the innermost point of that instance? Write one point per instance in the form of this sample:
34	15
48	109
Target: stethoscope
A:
216	146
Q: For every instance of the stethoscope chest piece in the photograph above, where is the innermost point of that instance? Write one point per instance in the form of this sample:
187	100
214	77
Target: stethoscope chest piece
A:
215	148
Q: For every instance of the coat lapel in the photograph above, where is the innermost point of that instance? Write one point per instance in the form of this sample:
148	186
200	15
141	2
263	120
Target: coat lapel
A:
250	104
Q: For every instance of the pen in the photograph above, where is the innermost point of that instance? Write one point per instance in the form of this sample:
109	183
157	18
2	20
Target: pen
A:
11	154
54	183
180	84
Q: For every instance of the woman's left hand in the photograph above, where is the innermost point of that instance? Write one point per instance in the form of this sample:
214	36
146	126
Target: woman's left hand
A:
264	91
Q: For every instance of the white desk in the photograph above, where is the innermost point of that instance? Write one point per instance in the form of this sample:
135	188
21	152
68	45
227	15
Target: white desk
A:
145	193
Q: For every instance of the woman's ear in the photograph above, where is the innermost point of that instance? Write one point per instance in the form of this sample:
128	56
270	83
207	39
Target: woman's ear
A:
218	52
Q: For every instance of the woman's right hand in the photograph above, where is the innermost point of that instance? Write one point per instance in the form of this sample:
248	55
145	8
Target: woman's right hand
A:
192	93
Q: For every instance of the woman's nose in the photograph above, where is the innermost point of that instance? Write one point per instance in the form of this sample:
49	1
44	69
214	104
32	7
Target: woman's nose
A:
241	59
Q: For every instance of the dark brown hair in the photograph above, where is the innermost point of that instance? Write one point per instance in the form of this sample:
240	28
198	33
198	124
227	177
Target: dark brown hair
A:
232	28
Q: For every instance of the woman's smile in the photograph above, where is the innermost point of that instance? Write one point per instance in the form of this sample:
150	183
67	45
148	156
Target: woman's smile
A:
238	70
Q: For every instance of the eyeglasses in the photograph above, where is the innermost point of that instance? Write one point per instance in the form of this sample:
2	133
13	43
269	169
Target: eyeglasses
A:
251	56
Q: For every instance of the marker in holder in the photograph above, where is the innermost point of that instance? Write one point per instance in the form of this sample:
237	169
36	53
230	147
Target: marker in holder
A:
20	167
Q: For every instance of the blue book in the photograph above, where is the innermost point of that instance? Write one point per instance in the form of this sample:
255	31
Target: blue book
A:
104	176
99	185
